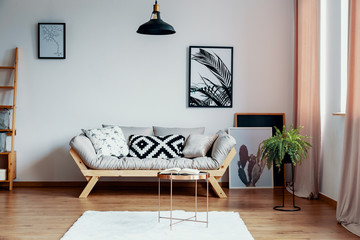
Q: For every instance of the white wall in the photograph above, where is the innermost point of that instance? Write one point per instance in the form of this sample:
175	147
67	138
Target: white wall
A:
111	74
333	125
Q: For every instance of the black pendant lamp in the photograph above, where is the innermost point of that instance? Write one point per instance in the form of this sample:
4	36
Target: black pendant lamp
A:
156	26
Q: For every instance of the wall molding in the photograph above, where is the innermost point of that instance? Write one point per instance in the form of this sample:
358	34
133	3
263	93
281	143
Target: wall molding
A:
328	200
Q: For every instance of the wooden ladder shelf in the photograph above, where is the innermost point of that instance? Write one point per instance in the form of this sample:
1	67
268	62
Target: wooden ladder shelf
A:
10	155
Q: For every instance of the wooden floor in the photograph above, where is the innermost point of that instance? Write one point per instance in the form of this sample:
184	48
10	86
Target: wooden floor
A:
47	213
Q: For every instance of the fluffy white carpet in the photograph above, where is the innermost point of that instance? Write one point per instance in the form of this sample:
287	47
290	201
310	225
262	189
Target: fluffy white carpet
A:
144	225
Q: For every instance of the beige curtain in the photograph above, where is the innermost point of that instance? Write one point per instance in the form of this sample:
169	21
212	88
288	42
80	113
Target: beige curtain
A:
348	207
307	94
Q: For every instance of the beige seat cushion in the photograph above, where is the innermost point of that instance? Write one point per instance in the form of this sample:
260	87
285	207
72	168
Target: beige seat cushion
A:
162	131
128	131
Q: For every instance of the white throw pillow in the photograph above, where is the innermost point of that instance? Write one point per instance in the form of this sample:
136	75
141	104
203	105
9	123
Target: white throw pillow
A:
197	145
109	141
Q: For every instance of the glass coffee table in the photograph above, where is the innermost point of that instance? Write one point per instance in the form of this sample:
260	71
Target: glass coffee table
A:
185	177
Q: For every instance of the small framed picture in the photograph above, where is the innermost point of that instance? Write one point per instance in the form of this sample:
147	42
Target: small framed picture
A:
51	41
210	77
246	170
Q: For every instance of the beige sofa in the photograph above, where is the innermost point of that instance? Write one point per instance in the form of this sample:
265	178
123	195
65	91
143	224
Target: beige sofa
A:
93	167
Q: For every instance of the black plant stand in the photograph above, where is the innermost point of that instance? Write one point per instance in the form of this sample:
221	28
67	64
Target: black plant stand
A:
282	207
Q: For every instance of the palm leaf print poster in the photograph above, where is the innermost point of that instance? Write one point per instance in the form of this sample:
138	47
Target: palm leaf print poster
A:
210	76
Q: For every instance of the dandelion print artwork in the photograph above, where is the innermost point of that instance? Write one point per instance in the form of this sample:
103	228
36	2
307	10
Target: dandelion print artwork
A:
51	40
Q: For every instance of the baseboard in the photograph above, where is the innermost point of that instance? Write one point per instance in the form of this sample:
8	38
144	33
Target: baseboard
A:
328	200
109	184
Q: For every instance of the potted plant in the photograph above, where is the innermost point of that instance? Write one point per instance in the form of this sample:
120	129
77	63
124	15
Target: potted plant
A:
285	145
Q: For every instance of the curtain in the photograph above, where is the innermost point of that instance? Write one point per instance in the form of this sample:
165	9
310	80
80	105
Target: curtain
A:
307	94
348	207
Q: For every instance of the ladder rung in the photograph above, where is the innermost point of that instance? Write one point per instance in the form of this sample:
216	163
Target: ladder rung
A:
7	67
6	87
6	153
6	107
6	130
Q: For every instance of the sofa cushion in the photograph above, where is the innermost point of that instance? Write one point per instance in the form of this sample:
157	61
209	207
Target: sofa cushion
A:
222	146
165	147
162	131
83	146
128	131
197	145
109	141
134	163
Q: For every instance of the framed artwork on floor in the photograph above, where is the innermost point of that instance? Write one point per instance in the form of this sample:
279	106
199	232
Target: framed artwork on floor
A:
210	77
264	120
246	170
51	41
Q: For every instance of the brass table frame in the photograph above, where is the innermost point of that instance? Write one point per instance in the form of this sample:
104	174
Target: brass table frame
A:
196	177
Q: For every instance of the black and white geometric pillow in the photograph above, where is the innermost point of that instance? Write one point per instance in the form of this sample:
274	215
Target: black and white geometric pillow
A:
165	147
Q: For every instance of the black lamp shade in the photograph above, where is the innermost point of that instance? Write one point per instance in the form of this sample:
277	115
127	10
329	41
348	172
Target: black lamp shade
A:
156	27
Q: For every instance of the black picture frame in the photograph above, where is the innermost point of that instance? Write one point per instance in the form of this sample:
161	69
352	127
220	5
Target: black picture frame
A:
210	77
51	40
264	120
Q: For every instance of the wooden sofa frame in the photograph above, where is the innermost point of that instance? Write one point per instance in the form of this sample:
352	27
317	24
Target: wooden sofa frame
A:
93	175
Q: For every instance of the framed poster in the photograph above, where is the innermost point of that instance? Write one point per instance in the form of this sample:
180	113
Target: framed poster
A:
264	120
210	77
246	170
51	41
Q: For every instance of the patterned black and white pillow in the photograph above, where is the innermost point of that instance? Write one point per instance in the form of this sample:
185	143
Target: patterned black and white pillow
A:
109	141
165	147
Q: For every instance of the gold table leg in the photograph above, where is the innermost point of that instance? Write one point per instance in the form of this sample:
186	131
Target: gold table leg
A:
171	202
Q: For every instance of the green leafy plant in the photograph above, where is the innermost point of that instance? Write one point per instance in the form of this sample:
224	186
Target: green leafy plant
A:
285	142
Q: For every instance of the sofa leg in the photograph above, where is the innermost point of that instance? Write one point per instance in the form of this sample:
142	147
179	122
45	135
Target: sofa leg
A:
217	188
89	187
